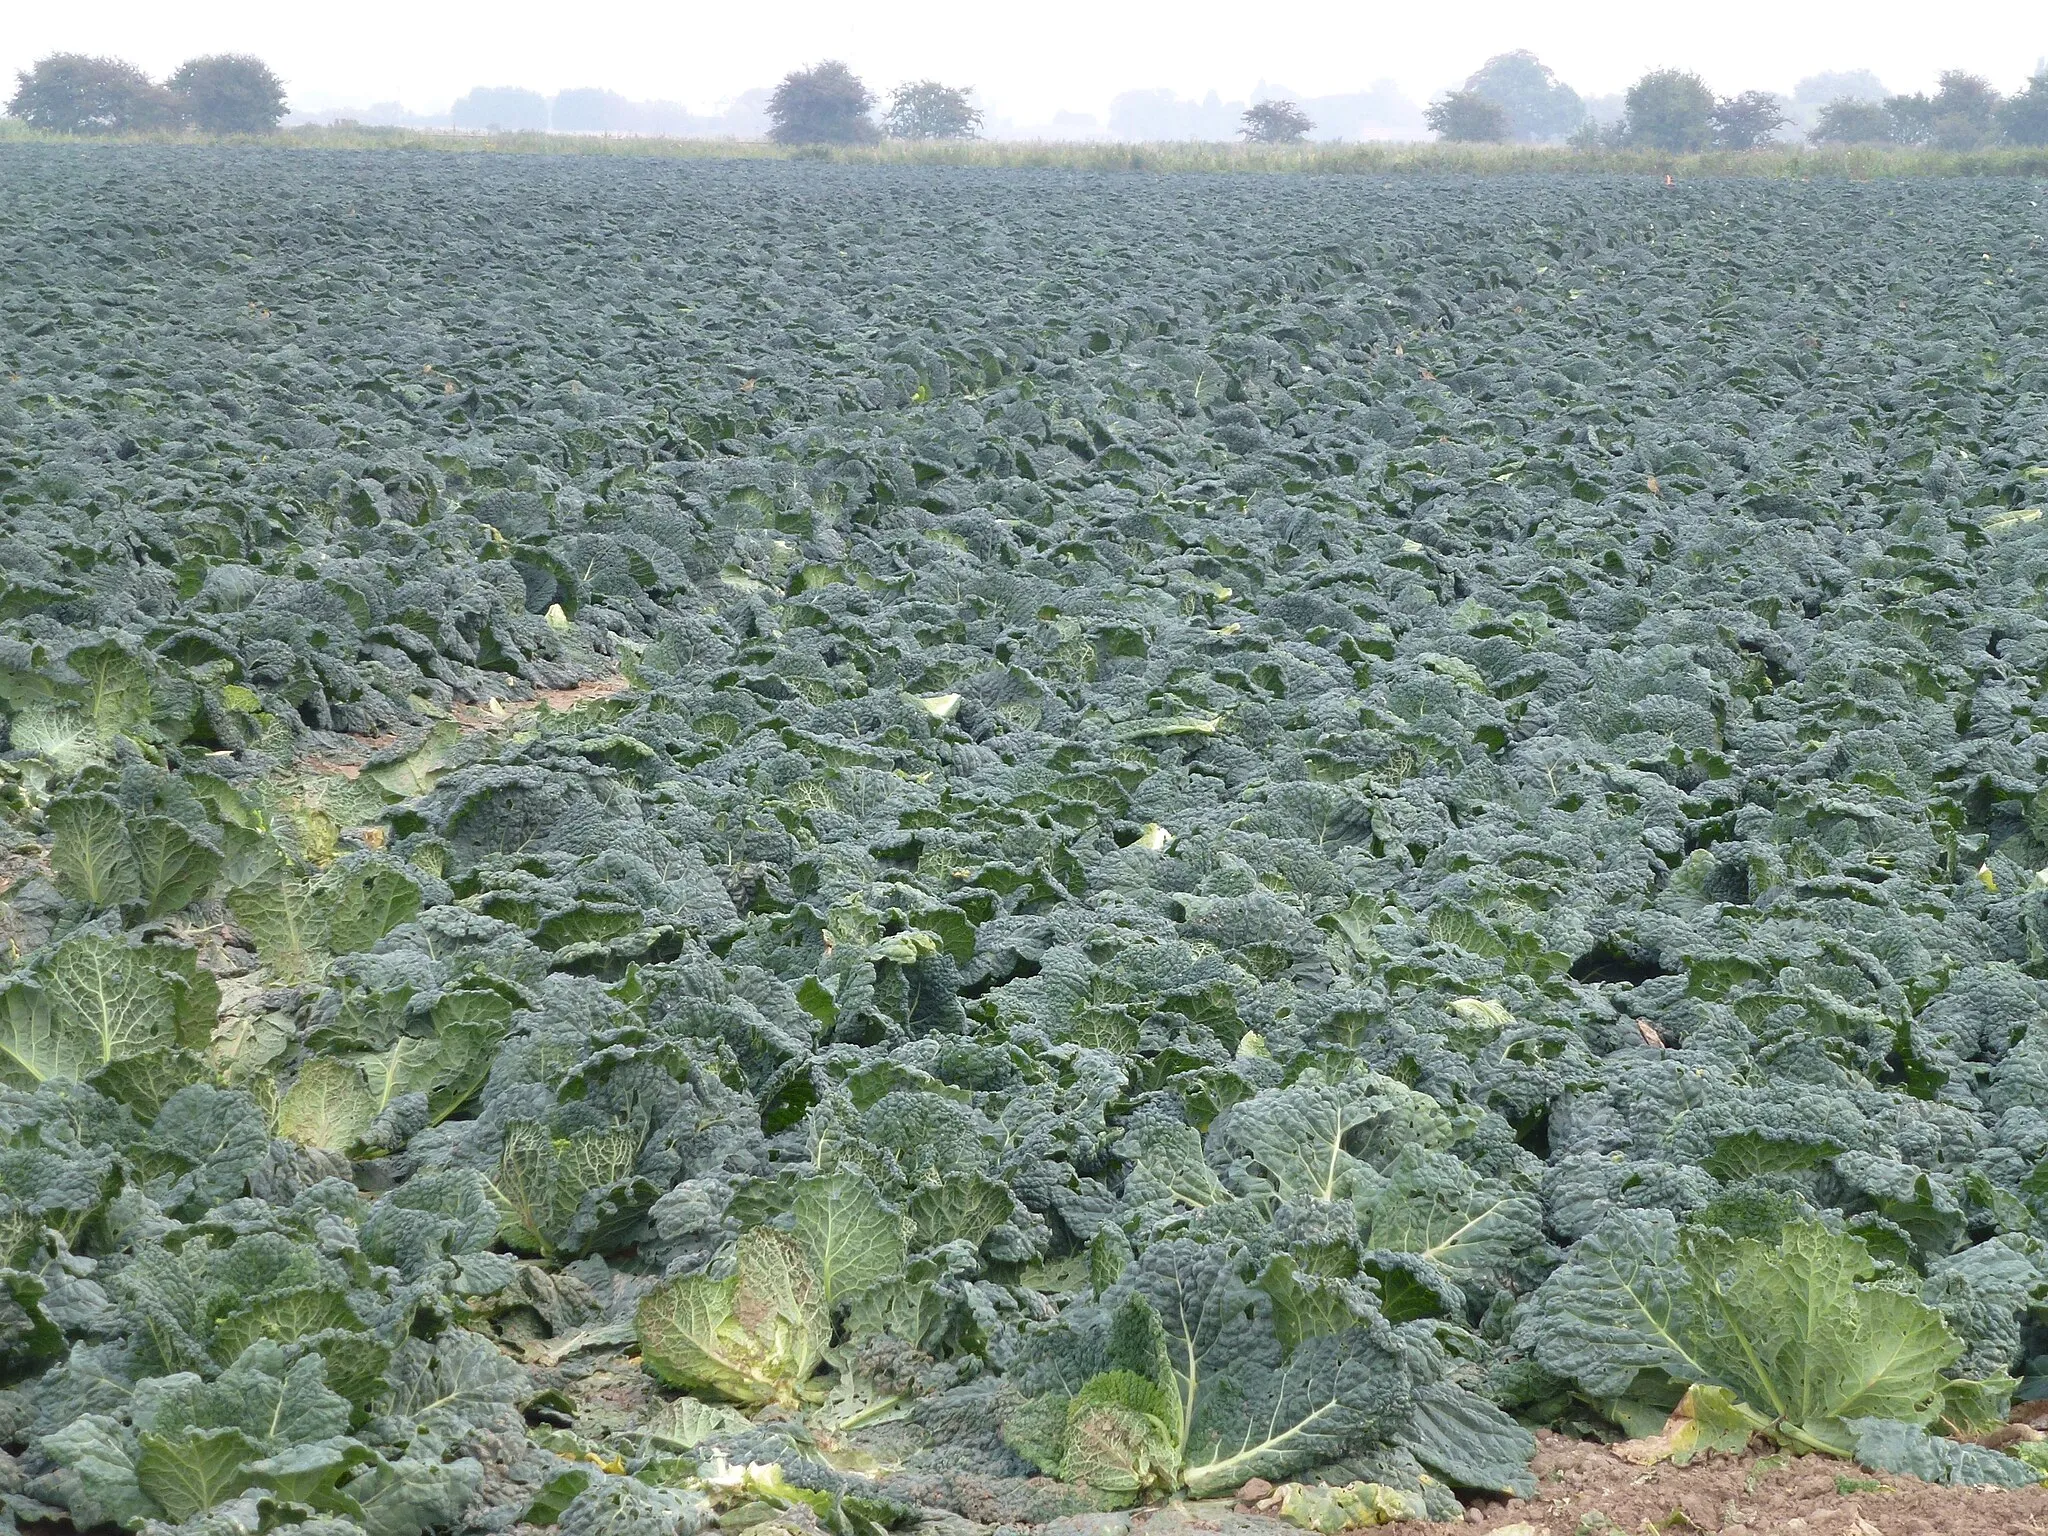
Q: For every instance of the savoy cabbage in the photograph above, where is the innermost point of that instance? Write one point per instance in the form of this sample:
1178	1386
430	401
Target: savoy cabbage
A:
746	843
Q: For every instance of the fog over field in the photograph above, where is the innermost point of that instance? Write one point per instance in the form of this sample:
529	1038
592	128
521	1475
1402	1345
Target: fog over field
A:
1151	69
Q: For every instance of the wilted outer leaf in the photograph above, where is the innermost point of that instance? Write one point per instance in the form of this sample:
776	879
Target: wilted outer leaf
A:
1119	1437
1482	1010
416	772
755	1337
853	1239
1706	1420
1348	1507
191	1470
1976	1407
1787	1327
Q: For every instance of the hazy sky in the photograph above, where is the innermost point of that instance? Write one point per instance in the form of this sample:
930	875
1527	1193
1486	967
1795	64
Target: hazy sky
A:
1031	59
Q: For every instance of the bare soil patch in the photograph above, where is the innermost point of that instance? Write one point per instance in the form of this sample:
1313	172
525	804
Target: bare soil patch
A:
1585	1489
494	715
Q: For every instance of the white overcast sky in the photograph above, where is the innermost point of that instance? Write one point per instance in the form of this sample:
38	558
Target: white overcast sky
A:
1029	60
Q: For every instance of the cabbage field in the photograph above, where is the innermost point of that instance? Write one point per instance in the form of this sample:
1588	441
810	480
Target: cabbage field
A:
826	848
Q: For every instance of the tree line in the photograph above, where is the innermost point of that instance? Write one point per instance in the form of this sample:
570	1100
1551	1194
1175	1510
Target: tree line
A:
236	93
217	93
1512	97
829	104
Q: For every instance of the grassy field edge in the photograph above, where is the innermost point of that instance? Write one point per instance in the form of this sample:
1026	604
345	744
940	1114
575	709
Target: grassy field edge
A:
1866	162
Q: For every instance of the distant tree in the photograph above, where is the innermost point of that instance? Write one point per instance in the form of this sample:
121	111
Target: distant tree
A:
1851	120
72	93
1910	118
1670	109
1466	117
925	109
1747	120
2024	117
825	104
502	109
1965	111
229	93
1538	104
1275	122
